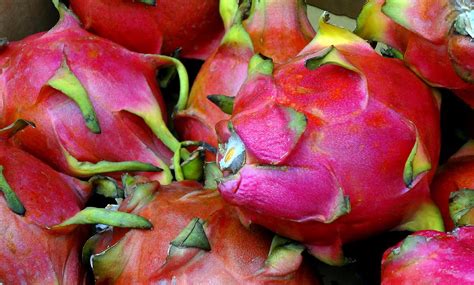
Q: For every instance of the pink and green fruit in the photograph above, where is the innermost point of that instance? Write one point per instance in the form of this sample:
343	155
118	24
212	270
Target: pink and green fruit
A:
453	188
41	211
279	29
35	198
275	29
433	37
336	145
431	257
196	238
155	26
97	106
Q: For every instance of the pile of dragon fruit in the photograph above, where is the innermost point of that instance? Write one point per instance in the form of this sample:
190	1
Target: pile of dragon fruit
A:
229	142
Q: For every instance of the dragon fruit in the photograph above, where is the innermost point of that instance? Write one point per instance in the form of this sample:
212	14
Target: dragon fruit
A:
278	29
35	197
431	257
38	245
151	26
222	74
96	106
30	253
434	38
455	182
335	145
196	239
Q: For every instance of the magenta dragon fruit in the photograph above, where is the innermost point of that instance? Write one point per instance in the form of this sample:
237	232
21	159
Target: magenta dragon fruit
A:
435	38
444	258
197	239
96	106
453	188
222	74
276	29
155	26
335	145
431	257
30	253
39	209
279	29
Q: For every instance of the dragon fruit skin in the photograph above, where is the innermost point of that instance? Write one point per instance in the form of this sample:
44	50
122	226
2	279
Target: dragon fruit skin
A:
431	257
30	252
193	26
223	73
96	106
428	44
236	255
225	70
317	152
279	29
453	180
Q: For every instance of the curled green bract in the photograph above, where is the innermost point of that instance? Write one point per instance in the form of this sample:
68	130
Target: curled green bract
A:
11	198
91	215
15	127
65	81
193	235
225	103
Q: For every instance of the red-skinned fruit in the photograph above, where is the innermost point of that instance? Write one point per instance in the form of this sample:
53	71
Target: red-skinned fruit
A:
196	238
452	188
221	75
277	29
155	26
37	246
434	38
431	257
30	253
319	146
96	106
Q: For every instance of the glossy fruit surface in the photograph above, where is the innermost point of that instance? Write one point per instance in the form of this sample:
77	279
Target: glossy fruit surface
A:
318	147
452	188
275	29
96	106
160	27
431	257
434	38
31	253
196	238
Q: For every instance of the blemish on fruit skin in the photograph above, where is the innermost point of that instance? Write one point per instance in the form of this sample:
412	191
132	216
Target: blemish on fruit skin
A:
10	240
354	128
376	120
11	246
92	53
303	90
317	139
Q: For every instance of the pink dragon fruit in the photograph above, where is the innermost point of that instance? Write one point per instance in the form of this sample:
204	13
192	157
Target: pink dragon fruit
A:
278	29
151	26
30	253
335	145
434	38
196	239
431	257
96	106
455	182
35	246
222	74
